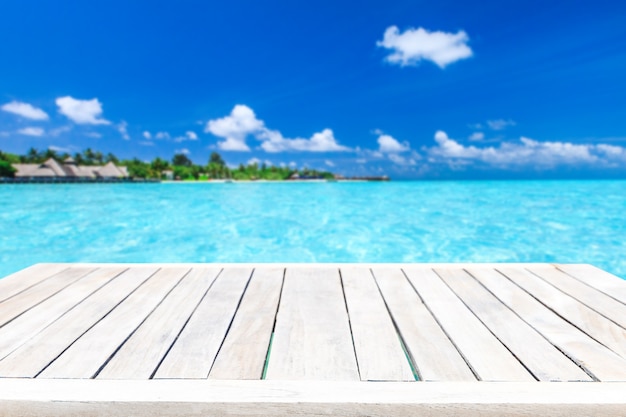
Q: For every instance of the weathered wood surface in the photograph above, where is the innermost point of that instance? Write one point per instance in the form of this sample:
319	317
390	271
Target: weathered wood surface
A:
597	360
195	349
538	355
246	346
77	398
39	351
379	355
312	339
339	329
433	354
394	322
141	354
486	355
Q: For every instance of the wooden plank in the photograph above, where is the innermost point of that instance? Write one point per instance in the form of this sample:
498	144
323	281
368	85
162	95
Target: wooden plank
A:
595	325
194	352
432	353
609	284
34	355
39	317
379	352
590	355
246	346
484	353
592	298
141	354
21	280
35	294
312	335
538	355
99	398
85	357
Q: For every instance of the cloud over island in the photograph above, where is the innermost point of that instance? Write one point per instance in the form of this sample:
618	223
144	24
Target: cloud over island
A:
242	122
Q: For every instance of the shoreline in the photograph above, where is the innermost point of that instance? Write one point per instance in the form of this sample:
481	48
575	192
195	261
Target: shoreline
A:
156	181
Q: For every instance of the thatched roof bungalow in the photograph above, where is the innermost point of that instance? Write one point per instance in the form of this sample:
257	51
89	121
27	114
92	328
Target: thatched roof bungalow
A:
70	170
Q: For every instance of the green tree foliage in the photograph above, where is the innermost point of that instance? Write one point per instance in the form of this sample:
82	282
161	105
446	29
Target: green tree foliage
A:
33	156
6	170
159	164
182	160
111	158
182	166
216	159
50	153
10	158
186	173
137	168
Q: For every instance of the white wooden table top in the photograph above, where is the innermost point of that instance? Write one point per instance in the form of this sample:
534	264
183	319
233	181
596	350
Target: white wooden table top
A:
398	322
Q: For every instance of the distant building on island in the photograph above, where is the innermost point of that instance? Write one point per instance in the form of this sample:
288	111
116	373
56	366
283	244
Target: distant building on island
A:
70	171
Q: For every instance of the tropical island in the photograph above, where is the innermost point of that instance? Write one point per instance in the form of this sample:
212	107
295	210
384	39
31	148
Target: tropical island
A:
90	165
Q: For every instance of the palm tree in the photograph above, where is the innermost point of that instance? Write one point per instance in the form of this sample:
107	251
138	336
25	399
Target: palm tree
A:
50	153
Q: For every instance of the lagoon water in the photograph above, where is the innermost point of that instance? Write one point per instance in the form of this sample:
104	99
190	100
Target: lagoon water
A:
421	221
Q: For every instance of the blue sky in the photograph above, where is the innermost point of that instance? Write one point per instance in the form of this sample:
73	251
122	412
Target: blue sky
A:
411	89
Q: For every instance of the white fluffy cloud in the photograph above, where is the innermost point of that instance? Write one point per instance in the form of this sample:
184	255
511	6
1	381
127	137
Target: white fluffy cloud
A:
526	152
147	135
25	110
31	131
87	112
477	136
242	122
235	128
391	148
161	135
389	144
414	45
324	141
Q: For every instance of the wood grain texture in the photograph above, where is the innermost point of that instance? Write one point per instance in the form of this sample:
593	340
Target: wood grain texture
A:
39	351
39	317
194	352
537	354
433	354
35	294
595	299
319	323
308	398
589	321
489	359
312	336
141	354
91	351
590	355
246	346
609	284
21	280
378	349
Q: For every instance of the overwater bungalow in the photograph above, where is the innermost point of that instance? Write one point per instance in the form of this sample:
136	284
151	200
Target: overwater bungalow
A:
70	171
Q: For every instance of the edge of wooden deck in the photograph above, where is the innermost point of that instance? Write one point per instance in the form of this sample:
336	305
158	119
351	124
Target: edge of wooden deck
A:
69	397
173	397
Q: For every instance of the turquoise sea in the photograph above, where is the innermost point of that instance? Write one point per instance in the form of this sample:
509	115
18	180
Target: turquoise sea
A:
421	221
